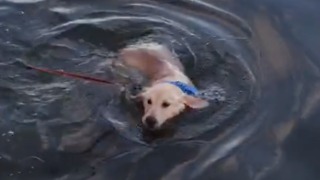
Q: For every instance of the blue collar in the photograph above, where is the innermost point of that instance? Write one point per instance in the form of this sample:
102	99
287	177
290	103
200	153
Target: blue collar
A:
187	89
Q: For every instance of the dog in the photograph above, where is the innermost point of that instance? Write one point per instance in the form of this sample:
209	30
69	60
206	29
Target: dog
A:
169	91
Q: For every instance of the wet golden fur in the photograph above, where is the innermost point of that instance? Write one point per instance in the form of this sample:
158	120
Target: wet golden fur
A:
162	101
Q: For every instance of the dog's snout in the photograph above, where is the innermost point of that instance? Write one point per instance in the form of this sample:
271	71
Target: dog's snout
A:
150	122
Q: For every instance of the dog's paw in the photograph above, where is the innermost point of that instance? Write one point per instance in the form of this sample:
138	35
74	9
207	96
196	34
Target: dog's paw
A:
131	92
135	90
215	94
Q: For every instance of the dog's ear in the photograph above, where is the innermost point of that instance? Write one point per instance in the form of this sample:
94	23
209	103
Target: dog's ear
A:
145	60
194	102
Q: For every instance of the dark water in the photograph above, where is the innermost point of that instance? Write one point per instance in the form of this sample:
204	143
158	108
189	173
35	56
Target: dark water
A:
263	54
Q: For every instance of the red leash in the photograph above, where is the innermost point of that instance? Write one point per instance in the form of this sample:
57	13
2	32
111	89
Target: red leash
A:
71	75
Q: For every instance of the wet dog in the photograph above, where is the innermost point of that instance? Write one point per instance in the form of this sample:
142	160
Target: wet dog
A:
169	92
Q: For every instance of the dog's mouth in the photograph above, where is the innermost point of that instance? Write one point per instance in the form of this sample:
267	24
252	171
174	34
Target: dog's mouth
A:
165	130
170	123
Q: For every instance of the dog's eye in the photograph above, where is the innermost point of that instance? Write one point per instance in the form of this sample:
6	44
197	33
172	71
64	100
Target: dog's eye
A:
149	101
165	104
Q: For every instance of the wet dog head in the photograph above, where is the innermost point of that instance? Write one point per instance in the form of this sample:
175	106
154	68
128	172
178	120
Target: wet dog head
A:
163	101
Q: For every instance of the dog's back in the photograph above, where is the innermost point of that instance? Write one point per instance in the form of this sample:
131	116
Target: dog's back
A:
155	61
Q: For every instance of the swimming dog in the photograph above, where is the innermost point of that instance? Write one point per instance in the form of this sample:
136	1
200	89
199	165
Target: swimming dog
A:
169	92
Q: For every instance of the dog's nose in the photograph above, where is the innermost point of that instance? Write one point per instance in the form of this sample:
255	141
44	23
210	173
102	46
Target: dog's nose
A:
150	122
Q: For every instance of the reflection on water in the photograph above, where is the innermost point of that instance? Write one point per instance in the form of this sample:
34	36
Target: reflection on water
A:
261	54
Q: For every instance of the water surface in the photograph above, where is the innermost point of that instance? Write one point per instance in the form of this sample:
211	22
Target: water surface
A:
261	55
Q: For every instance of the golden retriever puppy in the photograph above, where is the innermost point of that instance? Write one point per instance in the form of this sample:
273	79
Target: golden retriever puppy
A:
170	91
